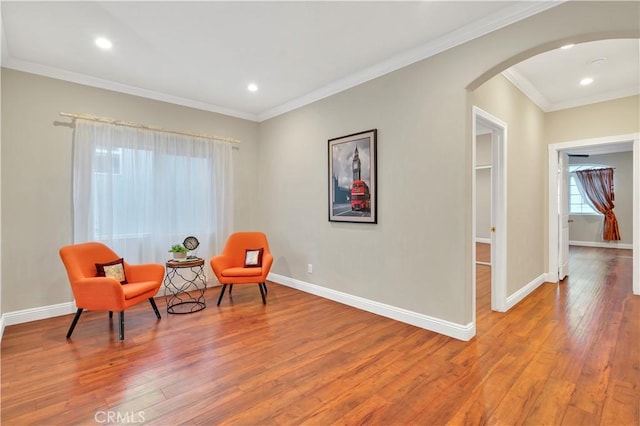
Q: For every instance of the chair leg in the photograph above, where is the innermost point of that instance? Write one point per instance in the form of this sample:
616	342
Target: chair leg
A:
110	314
224	287
74	322
230	289
264	301
155	307
121	325
264	286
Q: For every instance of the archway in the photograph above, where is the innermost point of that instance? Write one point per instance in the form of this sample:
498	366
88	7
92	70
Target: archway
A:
502	66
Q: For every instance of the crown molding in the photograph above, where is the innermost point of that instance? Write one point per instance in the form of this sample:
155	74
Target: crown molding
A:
73	77
587	100
529	90
479	28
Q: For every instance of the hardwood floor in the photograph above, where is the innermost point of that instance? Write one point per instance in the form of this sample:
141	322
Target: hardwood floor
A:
483	252
568	354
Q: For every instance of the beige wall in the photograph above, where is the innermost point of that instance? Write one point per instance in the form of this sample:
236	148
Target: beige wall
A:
418	256
617	117
588	228
36	174
525	189
421	193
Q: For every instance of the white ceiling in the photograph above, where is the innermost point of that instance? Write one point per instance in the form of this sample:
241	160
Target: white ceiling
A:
552	79
204	54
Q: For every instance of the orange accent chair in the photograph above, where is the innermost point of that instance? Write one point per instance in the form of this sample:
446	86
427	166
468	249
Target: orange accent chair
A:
103	293
231	266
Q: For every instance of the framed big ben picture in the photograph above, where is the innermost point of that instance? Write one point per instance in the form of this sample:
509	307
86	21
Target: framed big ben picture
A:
352	178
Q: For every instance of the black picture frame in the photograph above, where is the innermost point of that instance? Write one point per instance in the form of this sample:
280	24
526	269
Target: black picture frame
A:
353	173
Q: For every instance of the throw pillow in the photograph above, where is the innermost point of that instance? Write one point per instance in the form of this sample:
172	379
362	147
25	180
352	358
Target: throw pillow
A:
253	258
113	269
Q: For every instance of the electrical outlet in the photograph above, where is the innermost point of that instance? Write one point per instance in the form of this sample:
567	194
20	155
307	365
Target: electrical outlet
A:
310	268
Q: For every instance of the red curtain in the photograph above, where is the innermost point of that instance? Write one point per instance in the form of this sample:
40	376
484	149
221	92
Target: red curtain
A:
597	186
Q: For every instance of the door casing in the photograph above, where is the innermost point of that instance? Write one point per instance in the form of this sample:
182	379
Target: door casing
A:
498	209
554	187
563	215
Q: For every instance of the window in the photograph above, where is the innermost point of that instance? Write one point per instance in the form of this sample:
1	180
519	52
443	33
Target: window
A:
141	191
112	192
108	160
578	204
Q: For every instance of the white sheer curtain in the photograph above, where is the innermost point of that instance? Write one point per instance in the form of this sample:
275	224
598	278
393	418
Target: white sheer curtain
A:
140	191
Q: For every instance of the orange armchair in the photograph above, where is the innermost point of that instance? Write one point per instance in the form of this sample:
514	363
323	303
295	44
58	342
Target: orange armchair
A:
231	266
103	292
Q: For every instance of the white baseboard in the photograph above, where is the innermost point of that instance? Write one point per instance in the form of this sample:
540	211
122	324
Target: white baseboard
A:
550	278
44	312
516	297
448	328
602	244
457	331
34	314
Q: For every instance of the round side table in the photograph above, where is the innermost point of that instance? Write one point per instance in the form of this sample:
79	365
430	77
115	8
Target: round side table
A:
184	286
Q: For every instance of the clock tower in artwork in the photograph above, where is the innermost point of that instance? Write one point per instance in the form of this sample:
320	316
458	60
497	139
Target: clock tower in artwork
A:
356	165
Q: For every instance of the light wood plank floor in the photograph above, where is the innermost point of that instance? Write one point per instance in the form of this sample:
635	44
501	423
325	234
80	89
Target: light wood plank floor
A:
568	354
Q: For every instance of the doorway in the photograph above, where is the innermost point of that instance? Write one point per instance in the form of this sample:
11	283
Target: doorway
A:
558	238
489	159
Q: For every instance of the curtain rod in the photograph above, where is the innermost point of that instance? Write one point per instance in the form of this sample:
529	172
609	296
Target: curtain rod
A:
143	126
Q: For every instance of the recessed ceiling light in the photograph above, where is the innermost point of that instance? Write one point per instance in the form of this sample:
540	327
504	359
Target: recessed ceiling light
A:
567	46
103	43
586	81
252	87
